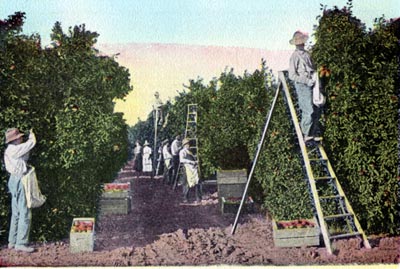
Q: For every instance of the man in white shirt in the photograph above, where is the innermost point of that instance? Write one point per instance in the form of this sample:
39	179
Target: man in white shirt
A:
157	108
15	158
175	148
167	162
189	161
301	70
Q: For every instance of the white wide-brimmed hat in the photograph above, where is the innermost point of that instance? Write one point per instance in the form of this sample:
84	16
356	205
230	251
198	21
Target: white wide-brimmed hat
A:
185	141
13	134
299	38
146	143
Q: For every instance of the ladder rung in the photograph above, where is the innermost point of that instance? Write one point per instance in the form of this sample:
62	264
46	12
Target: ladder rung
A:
344	235
209	182
323	178
318	160
330	197
337	216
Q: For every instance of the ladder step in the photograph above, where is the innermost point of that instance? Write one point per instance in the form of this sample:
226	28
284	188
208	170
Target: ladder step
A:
330	197
210	182
318	160
344	235
323	178
330	217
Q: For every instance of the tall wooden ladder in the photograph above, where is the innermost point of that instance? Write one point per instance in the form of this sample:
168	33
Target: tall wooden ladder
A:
335	214
191	135
191	127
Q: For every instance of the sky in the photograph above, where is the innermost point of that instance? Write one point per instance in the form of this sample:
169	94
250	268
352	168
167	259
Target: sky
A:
252	23
164	43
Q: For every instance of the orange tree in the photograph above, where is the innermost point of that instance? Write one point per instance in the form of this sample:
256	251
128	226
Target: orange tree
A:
361	113
279	172
65	93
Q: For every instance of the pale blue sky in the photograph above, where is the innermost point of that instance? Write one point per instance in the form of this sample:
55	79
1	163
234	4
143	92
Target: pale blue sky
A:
266	24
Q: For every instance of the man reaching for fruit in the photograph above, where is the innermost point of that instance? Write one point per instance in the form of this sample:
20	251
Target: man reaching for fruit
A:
301	71
15	158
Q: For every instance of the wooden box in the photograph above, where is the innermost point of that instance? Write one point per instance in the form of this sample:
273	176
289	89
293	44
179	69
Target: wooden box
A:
116	199
293	236
115	205
117	190
81	239
231	183
231	205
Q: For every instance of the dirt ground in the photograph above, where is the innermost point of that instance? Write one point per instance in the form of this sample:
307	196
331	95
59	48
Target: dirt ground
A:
160	230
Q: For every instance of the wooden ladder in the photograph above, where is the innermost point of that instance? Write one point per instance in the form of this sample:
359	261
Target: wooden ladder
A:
191	135
335	214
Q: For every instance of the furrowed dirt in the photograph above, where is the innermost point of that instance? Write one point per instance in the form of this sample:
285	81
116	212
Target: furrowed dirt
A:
160	230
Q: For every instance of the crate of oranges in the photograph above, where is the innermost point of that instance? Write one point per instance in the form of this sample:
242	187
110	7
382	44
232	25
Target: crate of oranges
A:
116	199
81	237
116	190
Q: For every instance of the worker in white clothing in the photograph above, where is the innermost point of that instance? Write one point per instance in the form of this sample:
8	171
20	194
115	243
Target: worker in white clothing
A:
15	158
166	151
187	159
175	148
147	164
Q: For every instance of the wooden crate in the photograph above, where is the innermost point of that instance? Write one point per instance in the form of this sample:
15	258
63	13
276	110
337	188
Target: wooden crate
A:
124	181
117	189
231	183
81	241
296	237
229	207
119	205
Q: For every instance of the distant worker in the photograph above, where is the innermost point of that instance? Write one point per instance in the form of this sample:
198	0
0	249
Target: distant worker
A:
160	160
187	158
167	162
15	158
301	71
157	108
175	148
147	164
137	157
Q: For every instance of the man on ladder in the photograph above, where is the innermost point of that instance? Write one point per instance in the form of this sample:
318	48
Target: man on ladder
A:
302	73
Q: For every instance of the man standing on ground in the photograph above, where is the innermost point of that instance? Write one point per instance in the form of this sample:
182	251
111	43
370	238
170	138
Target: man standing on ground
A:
175	148
167	162
147	164
16	156
187	158
301	70
137	159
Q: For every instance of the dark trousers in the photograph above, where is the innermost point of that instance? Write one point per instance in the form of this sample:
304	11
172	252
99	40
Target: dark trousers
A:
197	190
175	166
168	172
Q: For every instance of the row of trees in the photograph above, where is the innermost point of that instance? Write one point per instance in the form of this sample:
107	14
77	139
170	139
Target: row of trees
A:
66	93
360	123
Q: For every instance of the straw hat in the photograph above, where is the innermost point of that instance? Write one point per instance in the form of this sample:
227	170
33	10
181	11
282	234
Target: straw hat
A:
299	38
185	141
13	134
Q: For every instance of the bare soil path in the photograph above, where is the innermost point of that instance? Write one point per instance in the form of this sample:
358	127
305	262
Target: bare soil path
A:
160	230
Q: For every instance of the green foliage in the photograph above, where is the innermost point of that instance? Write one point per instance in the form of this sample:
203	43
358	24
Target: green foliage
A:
279	168
361	115
66	94
360	122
